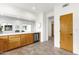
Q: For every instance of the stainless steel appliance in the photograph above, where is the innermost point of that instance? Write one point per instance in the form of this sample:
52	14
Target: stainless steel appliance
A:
36	37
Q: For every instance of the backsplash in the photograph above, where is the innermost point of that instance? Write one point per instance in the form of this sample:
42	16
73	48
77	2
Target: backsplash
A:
8	24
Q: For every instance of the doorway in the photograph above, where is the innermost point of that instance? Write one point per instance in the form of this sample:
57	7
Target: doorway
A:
52	30
66	32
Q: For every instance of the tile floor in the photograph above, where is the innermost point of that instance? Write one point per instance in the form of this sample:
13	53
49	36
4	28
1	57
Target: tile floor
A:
46	48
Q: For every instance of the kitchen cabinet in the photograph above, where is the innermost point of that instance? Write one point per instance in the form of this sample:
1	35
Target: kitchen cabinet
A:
4	41
26	39
30	38
14	41
8	42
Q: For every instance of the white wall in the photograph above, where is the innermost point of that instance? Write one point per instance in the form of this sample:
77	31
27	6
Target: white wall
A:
49	14
49	28
50	22
72	8
42	26
7	10
15	12
4	20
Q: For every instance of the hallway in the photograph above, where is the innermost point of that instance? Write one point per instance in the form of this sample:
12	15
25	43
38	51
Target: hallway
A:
46	48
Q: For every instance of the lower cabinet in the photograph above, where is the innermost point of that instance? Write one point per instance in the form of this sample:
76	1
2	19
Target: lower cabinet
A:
26	39
14	41
30	38
3	43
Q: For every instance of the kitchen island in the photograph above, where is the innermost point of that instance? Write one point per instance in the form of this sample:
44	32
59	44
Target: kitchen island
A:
15	40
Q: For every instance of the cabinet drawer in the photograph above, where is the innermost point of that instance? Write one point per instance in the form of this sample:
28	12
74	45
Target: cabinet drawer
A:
30	34
3	37
14	36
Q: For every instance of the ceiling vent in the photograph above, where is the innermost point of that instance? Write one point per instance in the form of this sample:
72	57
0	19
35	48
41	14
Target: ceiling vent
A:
65	5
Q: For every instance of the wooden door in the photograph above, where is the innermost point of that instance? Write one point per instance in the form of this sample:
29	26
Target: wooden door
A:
66	32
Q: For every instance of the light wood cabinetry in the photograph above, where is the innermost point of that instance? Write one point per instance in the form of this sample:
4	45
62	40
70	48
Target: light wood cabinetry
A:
3	43
14	41
26	39
30	38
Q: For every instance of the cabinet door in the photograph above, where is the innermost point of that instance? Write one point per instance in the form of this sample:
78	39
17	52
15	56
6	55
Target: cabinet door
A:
30	38
3	43
14	41
24	40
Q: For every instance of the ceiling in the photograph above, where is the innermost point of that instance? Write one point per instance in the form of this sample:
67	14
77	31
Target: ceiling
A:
34	7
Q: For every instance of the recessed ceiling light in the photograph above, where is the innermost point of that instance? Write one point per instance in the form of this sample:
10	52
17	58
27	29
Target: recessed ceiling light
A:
34	8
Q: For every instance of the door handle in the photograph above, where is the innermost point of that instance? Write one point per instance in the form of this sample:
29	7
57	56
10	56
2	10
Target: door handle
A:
71	34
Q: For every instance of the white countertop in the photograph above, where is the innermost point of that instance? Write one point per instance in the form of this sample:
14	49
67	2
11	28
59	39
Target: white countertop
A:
2	34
